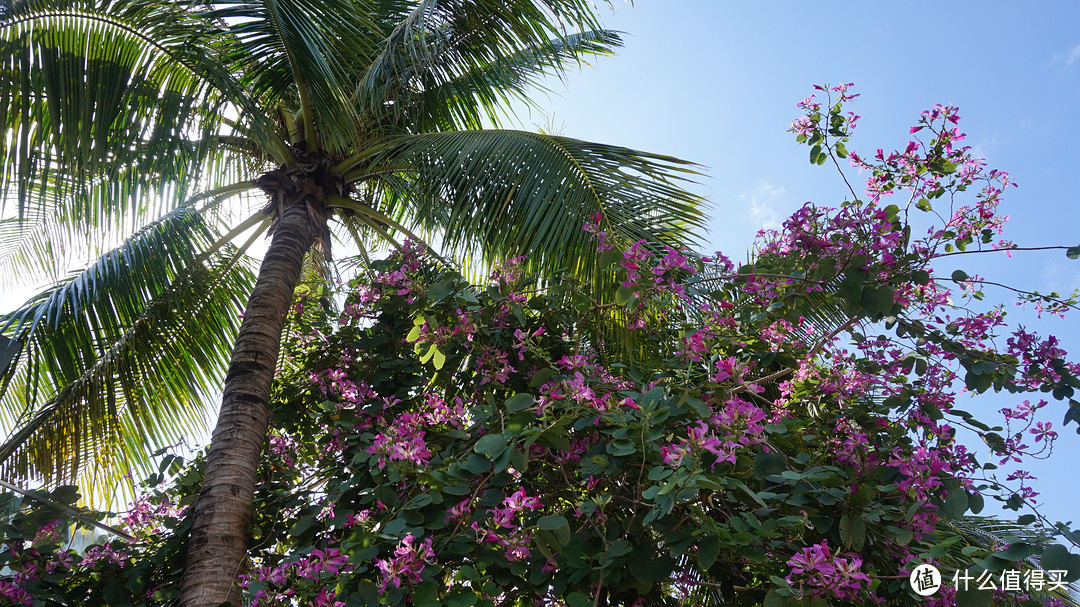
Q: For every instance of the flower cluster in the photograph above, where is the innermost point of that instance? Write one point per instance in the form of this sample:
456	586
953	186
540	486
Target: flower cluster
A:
407	564
273	586
504	527
817	572
402	440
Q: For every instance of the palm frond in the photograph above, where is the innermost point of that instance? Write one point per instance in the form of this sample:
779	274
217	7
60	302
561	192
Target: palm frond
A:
447	65
303	53
514	192
118	359
991	533
111	110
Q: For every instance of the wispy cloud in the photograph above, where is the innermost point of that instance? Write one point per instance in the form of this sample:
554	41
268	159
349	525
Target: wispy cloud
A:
1069	57
1061	276
760	205
1074	55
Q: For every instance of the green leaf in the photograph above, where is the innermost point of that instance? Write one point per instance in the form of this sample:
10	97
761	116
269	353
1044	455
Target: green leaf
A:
902	535
978	383
708	549
541	376
959	276
477	464
519	402
426	594
775	599
619	548
621	447
394	527
1057	558
1073	252
956	503
1015	552
9	350
1072	414
577	599
974	598
301	525
462	599
767	463
552	522
852	531
439	359
976	503
491	446
438	290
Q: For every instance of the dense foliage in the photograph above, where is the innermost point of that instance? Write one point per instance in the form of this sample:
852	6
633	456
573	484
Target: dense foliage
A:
778	432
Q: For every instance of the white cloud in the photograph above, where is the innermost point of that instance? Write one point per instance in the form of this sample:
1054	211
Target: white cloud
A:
760	206
1062	276
1070	56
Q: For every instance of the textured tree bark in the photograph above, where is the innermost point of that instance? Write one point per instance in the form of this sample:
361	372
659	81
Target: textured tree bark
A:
217	545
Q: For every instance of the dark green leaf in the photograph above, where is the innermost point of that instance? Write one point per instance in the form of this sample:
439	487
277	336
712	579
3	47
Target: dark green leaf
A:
540	377
956	503
426	594
708	549
552	522
975	502
775	599
577	599
974	598
1057	558
852	531
519	402
1015	552
767	463
491	446
302	525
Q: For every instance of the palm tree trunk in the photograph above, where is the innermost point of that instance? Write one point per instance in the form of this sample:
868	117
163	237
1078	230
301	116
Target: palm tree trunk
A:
218	542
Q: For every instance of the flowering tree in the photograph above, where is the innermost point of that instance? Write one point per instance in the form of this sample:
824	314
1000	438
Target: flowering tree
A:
782	432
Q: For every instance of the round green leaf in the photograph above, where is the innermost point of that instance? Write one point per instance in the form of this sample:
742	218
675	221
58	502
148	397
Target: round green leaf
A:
552	522
491	446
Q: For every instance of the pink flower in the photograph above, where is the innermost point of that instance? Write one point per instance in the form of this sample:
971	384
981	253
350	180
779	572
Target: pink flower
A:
326	599
407	564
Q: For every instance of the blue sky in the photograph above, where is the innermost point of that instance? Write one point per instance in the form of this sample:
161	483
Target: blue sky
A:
717	83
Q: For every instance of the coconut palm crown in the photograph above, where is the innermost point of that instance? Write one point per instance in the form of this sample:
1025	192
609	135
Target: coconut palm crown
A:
143	122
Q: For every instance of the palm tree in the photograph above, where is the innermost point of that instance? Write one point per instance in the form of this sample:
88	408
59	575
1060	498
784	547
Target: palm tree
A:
145	117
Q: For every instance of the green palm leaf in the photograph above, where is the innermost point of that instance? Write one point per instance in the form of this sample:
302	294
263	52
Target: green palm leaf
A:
447	65
120	354
305	51
516	191
75	83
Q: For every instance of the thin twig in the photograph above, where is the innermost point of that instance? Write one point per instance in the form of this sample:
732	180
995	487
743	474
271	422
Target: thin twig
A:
1005	250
